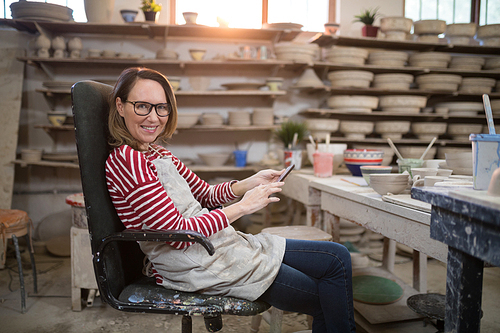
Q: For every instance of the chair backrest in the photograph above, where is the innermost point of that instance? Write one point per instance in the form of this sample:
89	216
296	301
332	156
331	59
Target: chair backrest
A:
90	112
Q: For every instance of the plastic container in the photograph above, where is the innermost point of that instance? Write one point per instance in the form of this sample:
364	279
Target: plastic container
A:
407	163
293	157
323	164
485	158
240	158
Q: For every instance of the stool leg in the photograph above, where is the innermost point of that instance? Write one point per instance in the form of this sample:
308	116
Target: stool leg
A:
33	266
21	276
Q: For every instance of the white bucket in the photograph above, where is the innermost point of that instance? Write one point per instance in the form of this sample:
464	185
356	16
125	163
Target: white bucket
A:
485	158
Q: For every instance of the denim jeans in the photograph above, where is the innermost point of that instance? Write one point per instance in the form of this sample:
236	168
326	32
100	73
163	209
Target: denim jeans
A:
315	278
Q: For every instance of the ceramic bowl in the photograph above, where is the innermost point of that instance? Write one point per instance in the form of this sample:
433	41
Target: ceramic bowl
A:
215	159
459	160
392	129
318	124
392	183
462	131
337	149
391	101
199	83
388	152
167	54
395	23
190	17
31	155
187	120
354	158
346	101
429	27
367	170
428	130
356	129
488	31
57	118
417	151
128	15
197	54
461	29
175	82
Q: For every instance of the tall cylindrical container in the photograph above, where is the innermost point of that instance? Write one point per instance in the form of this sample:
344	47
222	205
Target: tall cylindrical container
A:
485	158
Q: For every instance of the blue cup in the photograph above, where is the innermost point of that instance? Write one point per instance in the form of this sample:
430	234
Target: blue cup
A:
240	158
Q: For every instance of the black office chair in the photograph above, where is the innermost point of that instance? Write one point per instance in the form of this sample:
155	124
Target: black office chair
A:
118	260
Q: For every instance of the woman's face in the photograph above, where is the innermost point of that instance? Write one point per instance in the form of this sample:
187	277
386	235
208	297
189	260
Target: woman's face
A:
144	129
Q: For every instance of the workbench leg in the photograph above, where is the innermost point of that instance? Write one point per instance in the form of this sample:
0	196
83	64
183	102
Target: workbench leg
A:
76	299
419	271
464	285
332	226
313	216
389	254
276	320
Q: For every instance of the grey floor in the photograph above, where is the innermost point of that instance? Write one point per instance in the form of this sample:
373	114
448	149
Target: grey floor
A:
50	309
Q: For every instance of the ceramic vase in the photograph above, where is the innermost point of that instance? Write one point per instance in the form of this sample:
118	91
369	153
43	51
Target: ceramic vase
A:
99	11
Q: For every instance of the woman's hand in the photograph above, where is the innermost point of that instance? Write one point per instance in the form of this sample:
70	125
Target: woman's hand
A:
263	177
254	200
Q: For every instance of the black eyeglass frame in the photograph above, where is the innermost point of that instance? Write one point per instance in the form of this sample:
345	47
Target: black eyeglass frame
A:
151	106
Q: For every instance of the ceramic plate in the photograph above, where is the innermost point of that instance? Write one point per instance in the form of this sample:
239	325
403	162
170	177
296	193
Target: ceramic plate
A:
242	86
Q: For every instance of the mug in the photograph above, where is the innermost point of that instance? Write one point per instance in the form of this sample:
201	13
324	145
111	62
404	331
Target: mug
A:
429	181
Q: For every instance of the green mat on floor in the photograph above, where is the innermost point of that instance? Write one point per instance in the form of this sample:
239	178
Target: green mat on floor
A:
375	289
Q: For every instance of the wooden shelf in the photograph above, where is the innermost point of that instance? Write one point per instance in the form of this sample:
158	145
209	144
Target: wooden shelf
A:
328	40
52	128
206	93
151	30
48	164
227	128
224	168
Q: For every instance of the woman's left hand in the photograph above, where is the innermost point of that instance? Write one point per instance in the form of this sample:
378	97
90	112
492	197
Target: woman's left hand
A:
262	177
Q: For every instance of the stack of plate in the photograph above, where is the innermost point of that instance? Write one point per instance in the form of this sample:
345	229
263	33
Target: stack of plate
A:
296	51
357	103
393	81
212	119
444	82
430	59
470	63
460	33
477	85
263	116
388	58
355	79
467	109
402	103
239	118
489	34
41	11
343	55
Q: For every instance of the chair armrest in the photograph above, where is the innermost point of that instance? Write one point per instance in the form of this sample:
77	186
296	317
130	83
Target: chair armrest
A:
159	236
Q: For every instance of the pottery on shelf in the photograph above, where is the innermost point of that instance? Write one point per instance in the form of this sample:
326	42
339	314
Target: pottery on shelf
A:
197	54
99	11
42	44
75	47
355	79
190	17
59	46
128	15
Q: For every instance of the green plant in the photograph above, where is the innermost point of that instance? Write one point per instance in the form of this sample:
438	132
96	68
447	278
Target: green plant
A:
150	6
288	129
367	16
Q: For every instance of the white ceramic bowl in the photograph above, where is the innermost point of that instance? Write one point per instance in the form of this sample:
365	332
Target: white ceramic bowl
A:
356	129
215	159
187	120
488	31
337	149
462	131
197	54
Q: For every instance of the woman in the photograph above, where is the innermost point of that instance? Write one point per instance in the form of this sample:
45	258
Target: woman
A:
152	189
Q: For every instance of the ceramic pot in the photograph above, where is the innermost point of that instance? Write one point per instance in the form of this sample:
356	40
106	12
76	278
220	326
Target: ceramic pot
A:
75	47
151	16
99	11
369	31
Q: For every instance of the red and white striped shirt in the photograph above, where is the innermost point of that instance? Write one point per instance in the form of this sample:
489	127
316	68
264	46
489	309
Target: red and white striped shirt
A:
140	199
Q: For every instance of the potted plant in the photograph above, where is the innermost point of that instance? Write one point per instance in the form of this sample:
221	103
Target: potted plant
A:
151	10
291	134
367	17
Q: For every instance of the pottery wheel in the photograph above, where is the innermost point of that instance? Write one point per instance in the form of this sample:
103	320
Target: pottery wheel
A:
372	289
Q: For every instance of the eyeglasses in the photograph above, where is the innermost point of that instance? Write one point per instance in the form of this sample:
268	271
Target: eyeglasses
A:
144	108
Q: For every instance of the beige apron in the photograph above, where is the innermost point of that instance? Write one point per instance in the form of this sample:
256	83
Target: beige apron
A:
243	265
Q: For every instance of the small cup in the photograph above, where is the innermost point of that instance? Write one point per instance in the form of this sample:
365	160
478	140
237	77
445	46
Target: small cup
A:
407	164
323	164
274	83
240	158
429	181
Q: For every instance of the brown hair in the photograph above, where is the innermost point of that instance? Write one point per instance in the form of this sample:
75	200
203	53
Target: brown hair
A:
119	134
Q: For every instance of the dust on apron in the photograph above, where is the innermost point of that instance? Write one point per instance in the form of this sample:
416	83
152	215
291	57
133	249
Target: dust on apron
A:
243	265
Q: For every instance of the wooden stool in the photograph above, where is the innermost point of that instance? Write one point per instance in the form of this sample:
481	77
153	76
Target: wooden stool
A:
291	232
431	306
13	224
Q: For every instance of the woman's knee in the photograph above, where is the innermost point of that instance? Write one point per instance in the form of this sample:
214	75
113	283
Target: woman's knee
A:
342	257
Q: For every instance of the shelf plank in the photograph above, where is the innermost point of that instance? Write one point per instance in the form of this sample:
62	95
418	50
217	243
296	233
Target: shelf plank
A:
230	93
48	164
224	168
228	128
152	30
50	128
329	40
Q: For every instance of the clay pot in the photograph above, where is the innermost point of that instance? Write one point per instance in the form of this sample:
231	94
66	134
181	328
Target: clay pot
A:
369	31
99	11
151	16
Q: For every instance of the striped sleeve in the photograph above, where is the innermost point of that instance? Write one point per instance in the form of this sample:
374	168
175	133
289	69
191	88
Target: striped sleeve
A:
142	203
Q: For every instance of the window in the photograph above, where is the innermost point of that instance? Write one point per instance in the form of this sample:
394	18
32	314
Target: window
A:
77	6
489	12
312	14
453	11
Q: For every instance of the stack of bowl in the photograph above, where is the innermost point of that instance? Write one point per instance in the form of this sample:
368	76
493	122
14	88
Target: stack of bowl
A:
477	85
346	103
187	120
460	33
388	58
215	159
296	51
492	63
367	170
402	103
393	183
212	119
393	81
459	162
429	30
489	35
462	131
468	63
430	59
468	109
388	152
263	116
309	79
427	130
444	82
343	55
392	129
395	28
355	158
320	127
167	54
355	79
356	130
239	118
337	149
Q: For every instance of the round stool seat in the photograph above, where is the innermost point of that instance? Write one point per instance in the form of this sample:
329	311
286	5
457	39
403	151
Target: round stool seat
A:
428	305
302	232
13	222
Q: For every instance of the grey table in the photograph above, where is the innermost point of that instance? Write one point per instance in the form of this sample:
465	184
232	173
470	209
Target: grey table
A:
468	222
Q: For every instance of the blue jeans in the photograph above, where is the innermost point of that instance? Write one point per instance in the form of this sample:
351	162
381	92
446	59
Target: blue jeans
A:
315	278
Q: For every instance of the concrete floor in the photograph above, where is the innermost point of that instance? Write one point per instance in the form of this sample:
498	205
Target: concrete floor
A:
50	310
